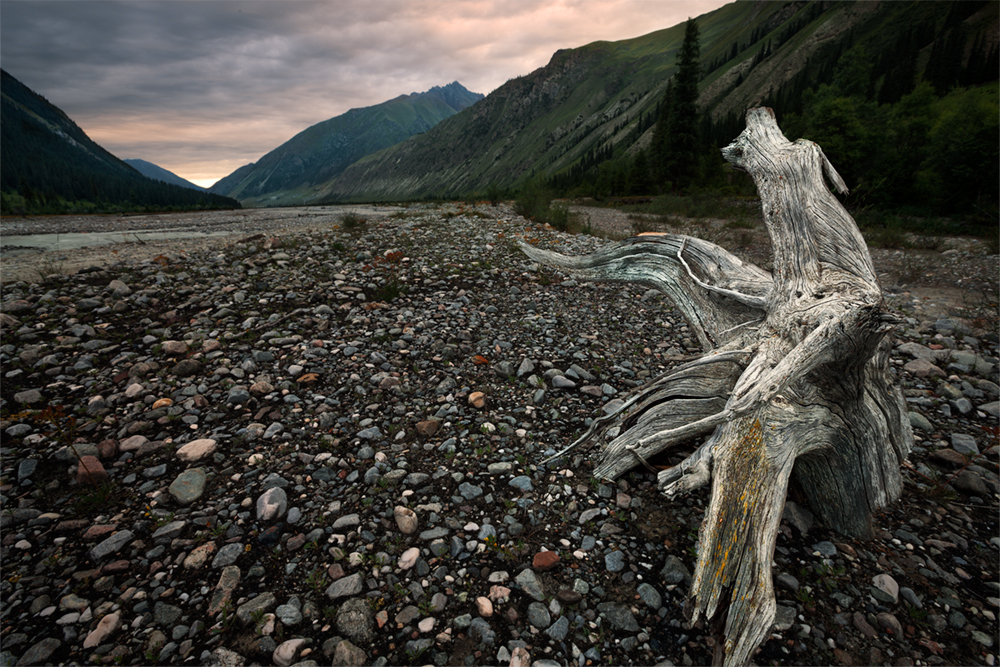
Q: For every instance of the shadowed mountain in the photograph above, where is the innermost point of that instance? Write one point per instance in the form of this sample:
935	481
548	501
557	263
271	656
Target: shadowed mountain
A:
290	173
156	172
49	165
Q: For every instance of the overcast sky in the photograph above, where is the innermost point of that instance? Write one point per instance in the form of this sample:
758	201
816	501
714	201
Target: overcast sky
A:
203	87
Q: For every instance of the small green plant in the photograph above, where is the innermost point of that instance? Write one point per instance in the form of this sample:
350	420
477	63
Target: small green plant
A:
534	202
259	617
503	551
315	580
226	618
102	496
413	654
352	221
494	194
48	266
828	575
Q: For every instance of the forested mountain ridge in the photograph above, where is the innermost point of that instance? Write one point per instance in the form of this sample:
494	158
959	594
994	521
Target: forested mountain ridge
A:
49	165
287	174
583	116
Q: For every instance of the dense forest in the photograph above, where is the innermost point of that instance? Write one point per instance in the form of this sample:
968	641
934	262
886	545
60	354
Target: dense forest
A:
48	165
911	124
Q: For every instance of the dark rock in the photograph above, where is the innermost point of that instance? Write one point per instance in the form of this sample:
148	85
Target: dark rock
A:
618	616
187	368
355	621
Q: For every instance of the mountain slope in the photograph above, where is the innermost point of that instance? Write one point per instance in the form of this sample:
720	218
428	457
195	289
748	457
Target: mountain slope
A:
601	99
288	173
158	173
49	165
585	98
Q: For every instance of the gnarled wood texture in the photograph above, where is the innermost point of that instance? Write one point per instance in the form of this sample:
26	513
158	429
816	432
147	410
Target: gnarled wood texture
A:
795	382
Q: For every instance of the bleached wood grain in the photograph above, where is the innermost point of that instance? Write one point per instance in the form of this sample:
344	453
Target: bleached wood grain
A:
795	383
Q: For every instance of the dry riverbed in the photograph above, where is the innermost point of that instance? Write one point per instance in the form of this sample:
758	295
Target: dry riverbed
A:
308	445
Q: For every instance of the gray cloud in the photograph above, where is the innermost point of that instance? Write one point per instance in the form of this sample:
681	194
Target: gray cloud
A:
201	88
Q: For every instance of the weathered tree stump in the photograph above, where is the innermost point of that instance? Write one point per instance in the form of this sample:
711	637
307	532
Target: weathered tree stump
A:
794	384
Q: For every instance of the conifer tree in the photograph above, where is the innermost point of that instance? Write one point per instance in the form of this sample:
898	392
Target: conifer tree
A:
680	155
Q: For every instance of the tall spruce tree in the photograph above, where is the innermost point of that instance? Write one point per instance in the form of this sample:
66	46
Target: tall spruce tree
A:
680	151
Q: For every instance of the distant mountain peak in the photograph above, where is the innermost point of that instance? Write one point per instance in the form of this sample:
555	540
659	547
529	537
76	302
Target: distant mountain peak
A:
156	172
290	173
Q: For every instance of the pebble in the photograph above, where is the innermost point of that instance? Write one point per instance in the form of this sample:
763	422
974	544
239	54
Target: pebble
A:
406	519
885	588
615	561
538	615
530	584
112	544
356	622
196	450
288	651
189	486
409	558
272	504
484	607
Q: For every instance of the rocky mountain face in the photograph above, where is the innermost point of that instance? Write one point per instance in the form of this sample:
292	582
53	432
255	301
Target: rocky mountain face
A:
603	98
150	170
290	173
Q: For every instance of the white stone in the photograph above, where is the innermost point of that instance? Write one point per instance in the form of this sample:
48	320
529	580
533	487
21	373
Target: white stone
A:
197	449
406	519
484	607
105	628
887	584
133	443
272	504
520	657
409	558
288	651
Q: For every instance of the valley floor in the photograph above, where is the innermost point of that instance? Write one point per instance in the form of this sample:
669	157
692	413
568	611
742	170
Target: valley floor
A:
322	445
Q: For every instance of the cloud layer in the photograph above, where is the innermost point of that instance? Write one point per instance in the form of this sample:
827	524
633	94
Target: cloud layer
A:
201	88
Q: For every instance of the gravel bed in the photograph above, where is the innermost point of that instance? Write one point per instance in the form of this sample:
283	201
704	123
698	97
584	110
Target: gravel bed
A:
303	445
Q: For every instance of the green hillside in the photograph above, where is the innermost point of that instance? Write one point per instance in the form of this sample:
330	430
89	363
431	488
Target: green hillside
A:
580	121
289	173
